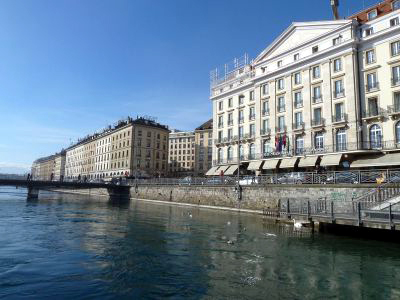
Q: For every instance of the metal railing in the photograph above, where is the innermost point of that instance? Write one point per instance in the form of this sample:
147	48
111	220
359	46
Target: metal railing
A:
373	112
265	131
338	94
339	118
298	126
265	112
280	108
318	122
372	86
394	109
317	99
395	81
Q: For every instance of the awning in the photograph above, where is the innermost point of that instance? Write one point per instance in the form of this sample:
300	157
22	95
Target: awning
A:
330	160
232	169
270	164
254	165
288	163
211	171
391	159
308	161
221	169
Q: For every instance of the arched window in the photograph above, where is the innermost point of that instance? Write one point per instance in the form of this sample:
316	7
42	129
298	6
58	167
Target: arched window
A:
341	140
230	153
220	155
252	151
299	144
319	141
375	136
398	132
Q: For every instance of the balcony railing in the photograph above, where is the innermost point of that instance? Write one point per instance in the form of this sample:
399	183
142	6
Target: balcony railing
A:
339	118
317	99
374	86
338	94
280	129
394	109
395	81
252	117
230	122
241	120
220	125
281	108
318	122
265	112
377	112
298	126
265	131
298	104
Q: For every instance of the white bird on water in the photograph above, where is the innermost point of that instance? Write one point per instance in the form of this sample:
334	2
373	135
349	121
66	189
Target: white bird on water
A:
297	224
190	215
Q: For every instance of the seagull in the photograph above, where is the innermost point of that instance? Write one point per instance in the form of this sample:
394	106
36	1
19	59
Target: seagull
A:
190	215
230	242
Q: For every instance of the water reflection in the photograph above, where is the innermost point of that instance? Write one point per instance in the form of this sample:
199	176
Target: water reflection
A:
89	246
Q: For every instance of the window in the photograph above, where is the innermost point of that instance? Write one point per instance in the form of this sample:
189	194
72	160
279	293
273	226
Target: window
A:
296	56
241	99
265	125
315	49
230	102
230	153
298	117
230	119
396	4
251	95
299	144
281	104
396	75
372	14
317	97
339	112
398	132
252	114
316	72
396	101
279	63
252	130
241	116
220	155
281	84
264	89
373	109
220	105
317	116
319	140
370	56
220	136
394	22
395	48
241	155
337	65
265	108
368	31
372	83
341	140
297	78
220	121
230	133
337	41
266	148
298	100
375	136
281	124
339	90
241	132
252	151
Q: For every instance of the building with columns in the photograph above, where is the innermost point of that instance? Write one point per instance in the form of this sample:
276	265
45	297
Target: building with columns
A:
312	98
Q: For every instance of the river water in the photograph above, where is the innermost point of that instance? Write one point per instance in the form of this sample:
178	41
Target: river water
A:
68	246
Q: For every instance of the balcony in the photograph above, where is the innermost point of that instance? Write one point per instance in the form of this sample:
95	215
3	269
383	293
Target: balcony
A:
218	141
265	112
339	118
395	81
298	126
230	122
317	99
265	131
318	122
252	117
394	109
241	120
281	108
220	125
298	104
338	93
371	87
373	113
280	129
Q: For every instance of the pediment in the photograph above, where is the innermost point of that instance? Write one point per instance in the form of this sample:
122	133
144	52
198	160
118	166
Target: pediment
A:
297	34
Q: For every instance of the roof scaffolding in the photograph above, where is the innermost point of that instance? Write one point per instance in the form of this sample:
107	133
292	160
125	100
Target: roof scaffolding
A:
231	70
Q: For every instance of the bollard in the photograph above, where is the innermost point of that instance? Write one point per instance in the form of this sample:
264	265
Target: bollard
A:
288	208
332	214
390	217
359	213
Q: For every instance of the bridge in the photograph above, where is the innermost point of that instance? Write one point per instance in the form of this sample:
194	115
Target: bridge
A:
115	191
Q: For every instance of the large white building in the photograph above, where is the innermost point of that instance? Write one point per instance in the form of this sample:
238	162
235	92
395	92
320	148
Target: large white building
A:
313	98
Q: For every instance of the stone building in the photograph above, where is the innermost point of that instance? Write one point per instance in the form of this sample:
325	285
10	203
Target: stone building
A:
181	159
49	167
132	147
312	97
203	147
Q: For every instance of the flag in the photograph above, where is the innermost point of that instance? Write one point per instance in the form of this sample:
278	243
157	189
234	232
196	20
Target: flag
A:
276	143
284	141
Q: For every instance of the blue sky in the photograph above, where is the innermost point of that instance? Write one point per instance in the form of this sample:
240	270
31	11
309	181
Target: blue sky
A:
68	68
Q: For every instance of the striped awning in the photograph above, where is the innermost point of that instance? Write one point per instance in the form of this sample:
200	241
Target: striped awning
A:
221	169
270	164
391	159
211	171
254	165
330	160
231	170
309	161
288	163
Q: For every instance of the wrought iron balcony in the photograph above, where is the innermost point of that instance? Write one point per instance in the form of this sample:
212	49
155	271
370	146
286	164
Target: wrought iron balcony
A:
395	81
374	86
241	120
394	109
230	122
373	113
318	122
298	104
252	117
317	99
298	126
220	125
265	112
339	118
281	108
280	129
338	93
265	131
